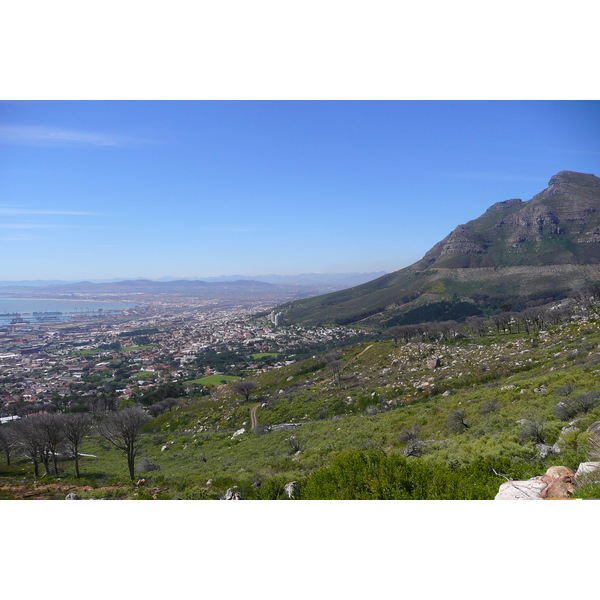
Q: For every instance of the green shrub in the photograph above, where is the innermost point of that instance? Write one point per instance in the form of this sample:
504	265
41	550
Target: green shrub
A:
196	493
371	475
270	488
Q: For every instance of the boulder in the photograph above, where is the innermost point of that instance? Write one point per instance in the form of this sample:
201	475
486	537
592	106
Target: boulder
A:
587	467
72	496
230	494
559	471
557	482
594	428
521	490
543	450
290	488
285	426
239	432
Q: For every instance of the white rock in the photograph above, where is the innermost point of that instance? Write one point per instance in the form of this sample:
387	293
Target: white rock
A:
239	432
521	490
587	467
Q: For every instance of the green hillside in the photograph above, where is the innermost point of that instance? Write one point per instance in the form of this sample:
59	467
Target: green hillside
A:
428	416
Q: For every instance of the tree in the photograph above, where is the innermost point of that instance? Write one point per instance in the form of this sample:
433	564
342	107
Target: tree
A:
477	325
456	421
397	331
334	355
75	427
245	388
533	429
50	427
29	440
335	366
7	441
410	437
122	429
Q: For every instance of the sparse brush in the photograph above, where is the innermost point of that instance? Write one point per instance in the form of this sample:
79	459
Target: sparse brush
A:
294	444
565	410
532	430
456	421
145	465
565	390
489	406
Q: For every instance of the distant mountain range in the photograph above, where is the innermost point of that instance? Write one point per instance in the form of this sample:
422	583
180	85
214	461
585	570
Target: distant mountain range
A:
305	283
330	279
516	251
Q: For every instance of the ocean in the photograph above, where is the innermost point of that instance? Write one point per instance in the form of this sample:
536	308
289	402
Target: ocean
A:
40	310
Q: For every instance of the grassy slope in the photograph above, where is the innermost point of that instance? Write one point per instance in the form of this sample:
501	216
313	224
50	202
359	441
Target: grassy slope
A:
385	389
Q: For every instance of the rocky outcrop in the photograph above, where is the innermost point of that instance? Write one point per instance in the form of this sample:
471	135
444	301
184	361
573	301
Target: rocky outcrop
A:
557	483
463	241
231	494
521	490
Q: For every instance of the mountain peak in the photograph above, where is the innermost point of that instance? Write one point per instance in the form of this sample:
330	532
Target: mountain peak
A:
568	177
544	247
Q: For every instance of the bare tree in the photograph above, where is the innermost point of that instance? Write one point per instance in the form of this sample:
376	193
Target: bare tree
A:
245	388
50	427
75	427
334	355
588	297
410	437
122	429
533	429
7	441
502	321
335	366
397	333
477	325
29	440
456	421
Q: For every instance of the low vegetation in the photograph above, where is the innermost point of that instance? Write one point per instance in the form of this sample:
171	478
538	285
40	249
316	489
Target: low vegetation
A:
427	411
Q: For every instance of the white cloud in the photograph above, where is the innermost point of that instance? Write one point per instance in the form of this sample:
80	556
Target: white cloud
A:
26	226
53	136
4	210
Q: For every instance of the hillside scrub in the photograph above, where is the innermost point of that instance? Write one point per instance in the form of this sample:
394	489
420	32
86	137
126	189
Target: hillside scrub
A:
382	428
372	475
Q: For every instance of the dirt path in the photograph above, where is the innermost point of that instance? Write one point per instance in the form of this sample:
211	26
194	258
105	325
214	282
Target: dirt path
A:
253	419
357	356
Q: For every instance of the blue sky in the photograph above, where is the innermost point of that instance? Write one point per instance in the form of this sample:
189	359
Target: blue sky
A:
103	189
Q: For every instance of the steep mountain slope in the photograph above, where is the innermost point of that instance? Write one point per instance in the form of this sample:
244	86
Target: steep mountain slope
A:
516	250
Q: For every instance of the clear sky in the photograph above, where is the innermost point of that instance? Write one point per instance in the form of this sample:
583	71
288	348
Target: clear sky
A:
103	189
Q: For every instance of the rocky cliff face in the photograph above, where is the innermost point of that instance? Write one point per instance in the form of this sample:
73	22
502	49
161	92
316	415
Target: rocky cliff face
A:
560	225
547	245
